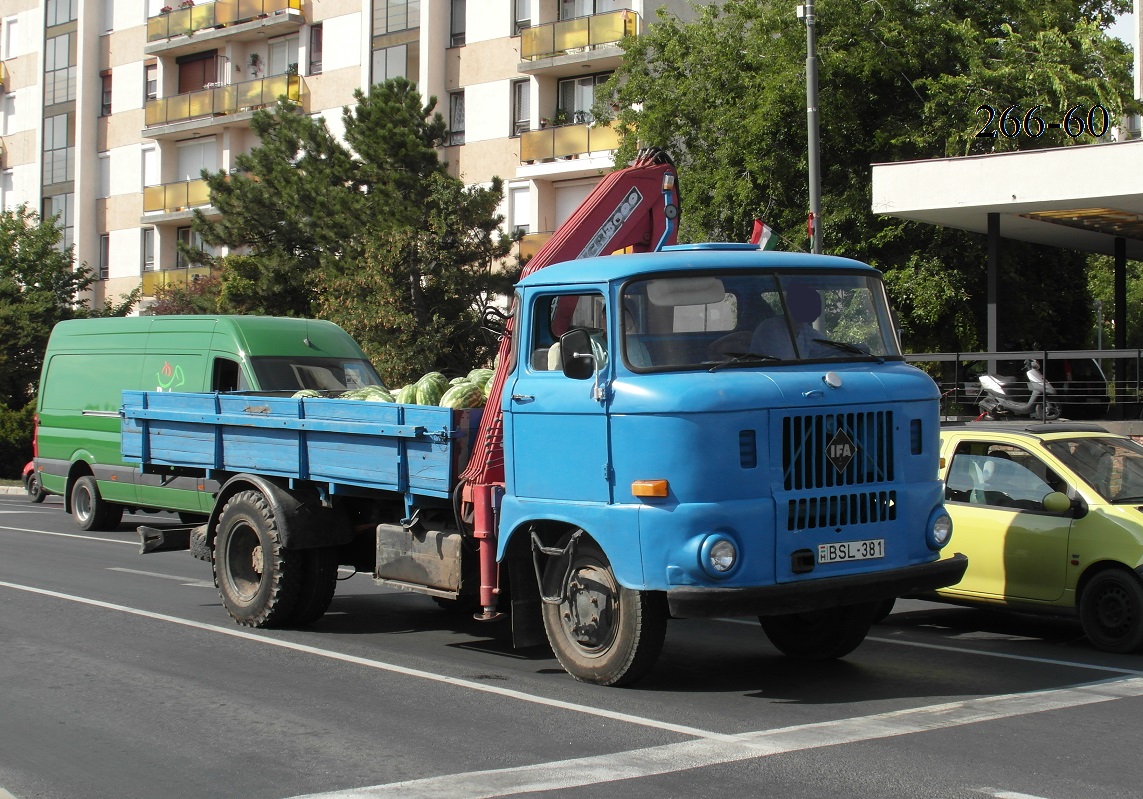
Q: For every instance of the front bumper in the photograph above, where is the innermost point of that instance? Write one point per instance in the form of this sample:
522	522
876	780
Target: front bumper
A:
806	595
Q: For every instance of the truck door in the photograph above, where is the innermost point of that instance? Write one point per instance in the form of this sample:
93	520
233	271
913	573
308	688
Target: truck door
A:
559	447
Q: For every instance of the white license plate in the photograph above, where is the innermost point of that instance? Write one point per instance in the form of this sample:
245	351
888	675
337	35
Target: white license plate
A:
851	550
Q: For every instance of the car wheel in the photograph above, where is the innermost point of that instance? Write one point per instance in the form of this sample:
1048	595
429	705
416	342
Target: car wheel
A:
36	492
1111	611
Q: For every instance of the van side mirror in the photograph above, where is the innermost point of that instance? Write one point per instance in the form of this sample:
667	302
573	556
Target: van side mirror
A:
576	358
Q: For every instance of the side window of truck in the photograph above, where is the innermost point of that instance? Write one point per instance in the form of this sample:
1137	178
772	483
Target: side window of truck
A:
555	315
227	376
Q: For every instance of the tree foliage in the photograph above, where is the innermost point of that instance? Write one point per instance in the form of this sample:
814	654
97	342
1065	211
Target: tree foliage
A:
39	286
372	233
898	80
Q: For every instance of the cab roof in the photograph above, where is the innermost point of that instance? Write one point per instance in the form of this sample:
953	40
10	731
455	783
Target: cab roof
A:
681	258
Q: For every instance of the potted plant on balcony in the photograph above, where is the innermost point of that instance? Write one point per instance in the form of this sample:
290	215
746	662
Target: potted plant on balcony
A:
561	117
166	10
255	64
186	3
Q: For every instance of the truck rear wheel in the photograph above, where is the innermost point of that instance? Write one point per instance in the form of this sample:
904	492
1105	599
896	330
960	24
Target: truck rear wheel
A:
90	510
319	581
601	632
821	634
258	579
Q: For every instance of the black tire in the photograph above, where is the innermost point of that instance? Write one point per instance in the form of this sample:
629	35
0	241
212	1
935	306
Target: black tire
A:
319	581
1111	611
90	511
36	492
258	579
884	608
820	634
199	548
624	628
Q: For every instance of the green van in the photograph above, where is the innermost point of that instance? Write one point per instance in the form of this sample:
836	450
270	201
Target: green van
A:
90	362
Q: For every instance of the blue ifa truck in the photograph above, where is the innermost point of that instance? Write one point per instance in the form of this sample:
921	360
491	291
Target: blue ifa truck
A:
691	431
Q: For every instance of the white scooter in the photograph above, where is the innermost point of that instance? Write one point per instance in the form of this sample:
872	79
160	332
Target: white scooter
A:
1002	397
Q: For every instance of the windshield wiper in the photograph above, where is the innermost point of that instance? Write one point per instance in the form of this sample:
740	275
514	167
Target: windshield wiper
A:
743	357
847	348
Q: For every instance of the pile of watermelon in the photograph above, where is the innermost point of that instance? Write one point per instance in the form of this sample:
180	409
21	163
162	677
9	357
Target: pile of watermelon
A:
470	391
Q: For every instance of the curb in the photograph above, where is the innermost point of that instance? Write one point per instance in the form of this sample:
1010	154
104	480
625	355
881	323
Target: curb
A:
11	490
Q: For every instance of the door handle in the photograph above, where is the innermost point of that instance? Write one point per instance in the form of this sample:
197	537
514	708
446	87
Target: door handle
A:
522	398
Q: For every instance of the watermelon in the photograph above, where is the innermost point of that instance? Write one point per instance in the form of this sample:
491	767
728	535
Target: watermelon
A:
482	378
457	380
306	392
431	388
407	395
463	395
376	394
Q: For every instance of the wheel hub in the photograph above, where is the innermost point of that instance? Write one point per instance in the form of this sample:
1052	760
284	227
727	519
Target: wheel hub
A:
589	608
1114	609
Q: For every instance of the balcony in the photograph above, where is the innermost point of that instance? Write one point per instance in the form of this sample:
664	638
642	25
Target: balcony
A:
566	141
3	75
171	198
564	47
532	242
222	13
221	101
173	278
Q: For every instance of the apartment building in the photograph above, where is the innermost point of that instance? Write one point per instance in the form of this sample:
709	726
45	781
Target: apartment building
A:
111	108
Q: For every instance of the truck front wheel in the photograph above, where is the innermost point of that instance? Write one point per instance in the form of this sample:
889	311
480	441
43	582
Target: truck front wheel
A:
601	632
258	579
821	634
90	510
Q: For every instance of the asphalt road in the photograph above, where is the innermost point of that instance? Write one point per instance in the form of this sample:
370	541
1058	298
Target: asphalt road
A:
121	676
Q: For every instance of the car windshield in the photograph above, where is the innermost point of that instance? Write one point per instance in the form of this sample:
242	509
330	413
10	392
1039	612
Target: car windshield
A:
755	318
319	374
1111	465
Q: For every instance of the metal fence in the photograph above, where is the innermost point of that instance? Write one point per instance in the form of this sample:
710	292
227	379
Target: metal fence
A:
1090	384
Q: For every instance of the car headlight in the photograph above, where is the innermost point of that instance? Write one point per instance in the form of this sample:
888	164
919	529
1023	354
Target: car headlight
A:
940	529
719	555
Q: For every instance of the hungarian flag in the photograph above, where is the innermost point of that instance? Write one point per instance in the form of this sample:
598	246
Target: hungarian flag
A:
764	235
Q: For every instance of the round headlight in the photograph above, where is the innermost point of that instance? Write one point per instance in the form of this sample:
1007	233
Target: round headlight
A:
940	530
722	556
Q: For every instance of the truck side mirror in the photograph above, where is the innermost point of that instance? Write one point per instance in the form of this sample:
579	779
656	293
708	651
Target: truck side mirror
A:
576	358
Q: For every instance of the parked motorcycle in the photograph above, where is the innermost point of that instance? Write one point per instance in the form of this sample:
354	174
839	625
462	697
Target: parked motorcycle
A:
1002	397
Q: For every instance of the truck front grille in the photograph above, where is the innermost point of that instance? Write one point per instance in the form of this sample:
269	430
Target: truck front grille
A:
841	510
811	454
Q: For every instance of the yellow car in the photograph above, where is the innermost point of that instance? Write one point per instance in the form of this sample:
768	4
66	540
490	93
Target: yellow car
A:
1051	519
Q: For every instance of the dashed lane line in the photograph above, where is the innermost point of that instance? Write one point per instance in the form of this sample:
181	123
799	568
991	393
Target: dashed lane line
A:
177	578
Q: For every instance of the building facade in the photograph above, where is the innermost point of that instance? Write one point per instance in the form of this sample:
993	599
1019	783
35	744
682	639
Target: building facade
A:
112	108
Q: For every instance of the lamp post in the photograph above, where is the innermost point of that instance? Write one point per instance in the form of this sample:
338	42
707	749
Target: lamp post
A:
806	14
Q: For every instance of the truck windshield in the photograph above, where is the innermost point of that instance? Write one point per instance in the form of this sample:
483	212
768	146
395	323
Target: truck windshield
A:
755	318
320	374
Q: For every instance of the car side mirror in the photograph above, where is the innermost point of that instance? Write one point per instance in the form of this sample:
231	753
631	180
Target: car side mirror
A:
1057	502
576	358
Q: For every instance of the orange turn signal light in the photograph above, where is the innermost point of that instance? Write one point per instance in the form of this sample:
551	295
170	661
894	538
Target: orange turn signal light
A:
650	488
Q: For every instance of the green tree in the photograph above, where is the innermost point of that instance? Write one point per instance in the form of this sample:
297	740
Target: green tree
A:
373	233
39	286
898	80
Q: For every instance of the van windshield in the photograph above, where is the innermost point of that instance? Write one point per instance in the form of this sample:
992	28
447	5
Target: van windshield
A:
755	318
319	374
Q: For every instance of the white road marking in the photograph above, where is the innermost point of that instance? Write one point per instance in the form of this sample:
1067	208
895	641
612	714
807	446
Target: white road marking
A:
84	536
1011	795
235	632
652	761
183	580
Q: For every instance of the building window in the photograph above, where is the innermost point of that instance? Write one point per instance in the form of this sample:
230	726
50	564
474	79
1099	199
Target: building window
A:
522	17
520	211
59	69
189	239
283	55
395	62
521	105
59	149
151	82
456	31
7	190
11	36
315	50
104	189
9	125
390	16
456	118
104	256
63	207
60	12
148	247
105	97
577	95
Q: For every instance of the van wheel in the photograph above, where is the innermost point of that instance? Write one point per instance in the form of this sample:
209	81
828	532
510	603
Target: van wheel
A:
820	634
258	579
601	632
36	492
90	510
